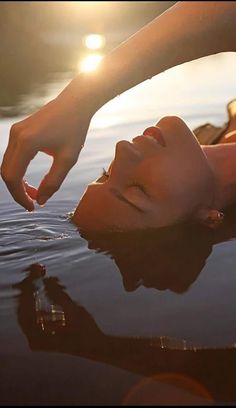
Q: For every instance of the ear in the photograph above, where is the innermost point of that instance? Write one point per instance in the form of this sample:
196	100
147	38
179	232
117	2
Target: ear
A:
210	217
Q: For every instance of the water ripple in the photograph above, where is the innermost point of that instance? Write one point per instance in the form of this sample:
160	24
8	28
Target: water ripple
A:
44	235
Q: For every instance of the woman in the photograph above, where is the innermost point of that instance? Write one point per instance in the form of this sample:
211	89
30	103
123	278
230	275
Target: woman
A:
164	177
186	31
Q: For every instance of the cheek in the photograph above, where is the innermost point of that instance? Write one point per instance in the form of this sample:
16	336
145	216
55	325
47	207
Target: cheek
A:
175	183
159	179
173	196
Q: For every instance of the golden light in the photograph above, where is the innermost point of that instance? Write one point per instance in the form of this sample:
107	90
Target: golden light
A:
94	41
89	4
86	3
90	63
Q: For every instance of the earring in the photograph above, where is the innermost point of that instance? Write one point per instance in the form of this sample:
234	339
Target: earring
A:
215	218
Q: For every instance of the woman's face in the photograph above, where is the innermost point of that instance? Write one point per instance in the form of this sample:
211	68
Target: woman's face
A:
159	179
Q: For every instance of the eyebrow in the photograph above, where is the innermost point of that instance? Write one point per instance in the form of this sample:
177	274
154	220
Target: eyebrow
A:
118	195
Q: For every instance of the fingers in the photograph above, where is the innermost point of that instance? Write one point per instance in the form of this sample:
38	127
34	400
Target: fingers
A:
57	173
21	149
56	293
15	162
30	190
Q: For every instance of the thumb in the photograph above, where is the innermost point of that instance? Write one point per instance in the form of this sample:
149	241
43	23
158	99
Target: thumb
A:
52	181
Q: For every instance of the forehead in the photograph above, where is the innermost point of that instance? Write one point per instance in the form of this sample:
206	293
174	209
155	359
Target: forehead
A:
100	209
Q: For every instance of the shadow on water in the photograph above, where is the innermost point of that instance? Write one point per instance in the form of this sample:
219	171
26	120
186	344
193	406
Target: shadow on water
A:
176	370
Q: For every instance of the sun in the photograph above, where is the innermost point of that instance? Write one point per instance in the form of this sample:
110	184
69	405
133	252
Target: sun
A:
94	41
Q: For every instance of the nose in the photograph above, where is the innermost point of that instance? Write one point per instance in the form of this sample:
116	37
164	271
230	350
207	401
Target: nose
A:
170	122
126	150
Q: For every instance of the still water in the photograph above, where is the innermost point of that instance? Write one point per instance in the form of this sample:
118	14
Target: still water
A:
76	328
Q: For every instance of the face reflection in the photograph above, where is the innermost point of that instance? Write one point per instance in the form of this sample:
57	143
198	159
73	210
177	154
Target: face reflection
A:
160	178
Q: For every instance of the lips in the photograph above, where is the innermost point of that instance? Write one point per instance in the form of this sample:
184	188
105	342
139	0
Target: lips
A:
156	133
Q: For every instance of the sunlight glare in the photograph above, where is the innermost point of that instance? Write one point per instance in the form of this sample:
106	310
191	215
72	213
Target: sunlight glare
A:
90	63
94	41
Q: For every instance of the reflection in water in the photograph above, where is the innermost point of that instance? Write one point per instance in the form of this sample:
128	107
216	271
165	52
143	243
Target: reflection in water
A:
52	321
90	63
41	39
166	258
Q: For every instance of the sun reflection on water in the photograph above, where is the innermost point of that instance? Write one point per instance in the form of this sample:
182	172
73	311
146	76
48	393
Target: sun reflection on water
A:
90	62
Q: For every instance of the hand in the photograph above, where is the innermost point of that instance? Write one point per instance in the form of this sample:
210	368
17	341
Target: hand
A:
58	323
58	129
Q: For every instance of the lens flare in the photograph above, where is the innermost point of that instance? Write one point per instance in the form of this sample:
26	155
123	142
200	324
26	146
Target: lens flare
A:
90	63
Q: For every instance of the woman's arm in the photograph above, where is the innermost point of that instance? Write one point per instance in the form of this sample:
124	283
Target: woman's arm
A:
186	31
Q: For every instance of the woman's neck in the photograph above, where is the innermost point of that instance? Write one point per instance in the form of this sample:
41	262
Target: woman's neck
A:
222	158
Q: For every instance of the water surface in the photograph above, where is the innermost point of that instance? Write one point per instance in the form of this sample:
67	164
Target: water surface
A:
71	333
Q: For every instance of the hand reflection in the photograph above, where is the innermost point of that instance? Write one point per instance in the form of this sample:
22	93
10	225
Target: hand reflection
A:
49	318
53	322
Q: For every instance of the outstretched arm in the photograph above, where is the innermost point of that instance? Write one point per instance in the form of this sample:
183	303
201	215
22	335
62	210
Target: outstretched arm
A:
186	31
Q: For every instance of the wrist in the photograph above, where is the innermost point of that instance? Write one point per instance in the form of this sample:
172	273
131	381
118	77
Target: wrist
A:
83	92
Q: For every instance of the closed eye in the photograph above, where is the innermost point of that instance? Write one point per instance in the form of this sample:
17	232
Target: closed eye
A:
140	187
105	175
